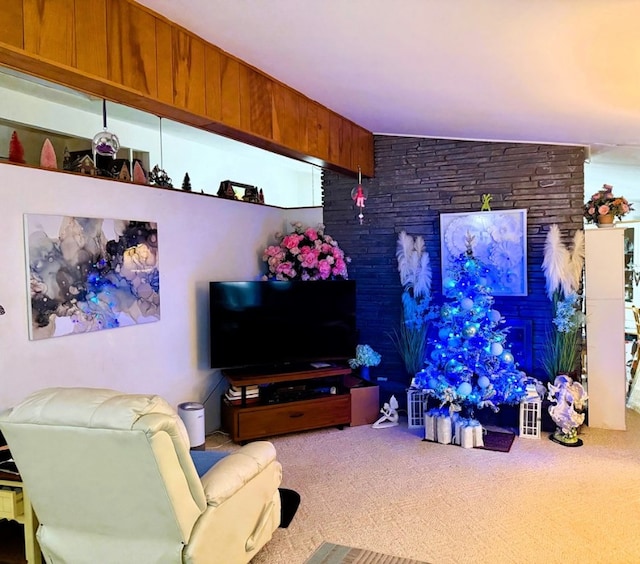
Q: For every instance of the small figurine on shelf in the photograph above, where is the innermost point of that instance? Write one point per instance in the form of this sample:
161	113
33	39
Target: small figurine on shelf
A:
158	177
84	165
139	176
186	183
16	150
261	196
48	155
123	174
251	195
66	160
226	190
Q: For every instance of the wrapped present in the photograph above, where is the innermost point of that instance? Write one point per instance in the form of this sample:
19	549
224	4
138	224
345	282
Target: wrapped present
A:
438	426
468	433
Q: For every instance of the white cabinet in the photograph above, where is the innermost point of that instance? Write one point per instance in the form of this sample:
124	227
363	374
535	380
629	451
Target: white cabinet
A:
605	308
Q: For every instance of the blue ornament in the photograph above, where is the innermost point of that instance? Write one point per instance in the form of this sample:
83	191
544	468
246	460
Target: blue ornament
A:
466	304
470	330
494	315
464	389
507	357
483	382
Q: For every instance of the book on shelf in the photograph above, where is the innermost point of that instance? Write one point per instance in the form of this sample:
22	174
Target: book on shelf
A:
252	388
238	401
249	393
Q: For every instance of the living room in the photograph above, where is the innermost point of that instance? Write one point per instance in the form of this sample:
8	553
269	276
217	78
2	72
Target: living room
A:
203	238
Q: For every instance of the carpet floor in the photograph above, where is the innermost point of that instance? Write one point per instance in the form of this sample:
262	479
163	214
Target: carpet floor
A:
390	492
329	553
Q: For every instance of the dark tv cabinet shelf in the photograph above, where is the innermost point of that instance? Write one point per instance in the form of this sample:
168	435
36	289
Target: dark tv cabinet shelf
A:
246	421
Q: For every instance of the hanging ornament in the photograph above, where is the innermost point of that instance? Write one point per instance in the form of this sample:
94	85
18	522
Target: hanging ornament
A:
359	195
105	143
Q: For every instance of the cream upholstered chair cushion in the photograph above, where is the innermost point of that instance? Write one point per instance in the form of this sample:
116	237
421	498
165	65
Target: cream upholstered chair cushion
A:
112	481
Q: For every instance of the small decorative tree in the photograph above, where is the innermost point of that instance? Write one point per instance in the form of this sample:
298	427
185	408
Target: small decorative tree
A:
138	174
16	150
48	155
470	365
186	183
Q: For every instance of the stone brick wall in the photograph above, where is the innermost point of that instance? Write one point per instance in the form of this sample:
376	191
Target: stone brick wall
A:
415	180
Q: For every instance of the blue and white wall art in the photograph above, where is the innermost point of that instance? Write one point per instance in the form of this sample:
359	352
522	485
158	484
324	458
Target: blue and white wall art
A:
88	274
499	240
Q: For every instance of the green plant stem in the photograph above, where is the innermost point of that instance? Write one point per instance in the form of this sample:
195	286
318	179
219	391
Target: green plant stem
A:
410	342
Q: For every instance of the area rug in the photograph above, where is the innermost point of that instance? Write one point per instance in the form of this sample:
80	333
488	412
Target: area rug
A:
499	441
328	553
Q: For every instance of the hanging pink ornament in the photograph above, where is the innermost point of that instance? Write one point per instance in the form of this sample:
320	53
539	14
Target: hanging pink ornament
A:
359	195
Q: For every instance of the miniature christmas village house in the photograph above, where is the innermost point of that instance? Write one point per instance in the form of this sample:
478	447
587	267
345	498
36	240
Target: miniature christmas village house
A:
84	165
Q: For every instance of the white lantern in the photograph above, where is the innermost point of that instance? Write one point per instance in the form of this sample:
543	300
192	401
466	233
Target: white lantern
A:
531	414
415	407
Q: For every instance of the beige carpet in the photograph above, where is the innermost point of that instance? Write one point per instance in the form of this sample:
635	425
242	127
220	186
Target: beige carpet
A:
388	491
329	553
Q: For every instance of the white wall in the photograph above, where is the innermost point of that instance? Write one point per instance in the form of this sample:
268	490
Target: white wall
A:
201	238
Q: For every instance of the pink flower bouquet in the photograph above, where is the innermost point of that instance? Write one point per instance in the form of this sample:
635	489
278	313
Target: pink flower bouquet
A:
603	202
305	254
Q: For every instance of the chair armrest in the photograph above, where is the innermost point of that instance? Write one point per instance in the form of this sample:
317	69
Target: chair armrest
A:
229	475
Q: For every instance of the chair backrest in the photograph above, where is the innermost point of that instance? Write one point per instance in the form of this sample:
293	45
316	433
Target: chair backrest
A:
109	474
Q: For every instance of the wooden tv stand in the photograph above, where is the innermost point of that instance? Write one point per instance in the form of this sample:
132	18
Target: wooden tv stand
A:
245	421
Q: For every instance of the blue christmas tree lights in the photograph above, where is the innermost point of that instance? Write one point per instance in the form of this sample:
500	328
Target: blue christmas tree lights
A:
469	365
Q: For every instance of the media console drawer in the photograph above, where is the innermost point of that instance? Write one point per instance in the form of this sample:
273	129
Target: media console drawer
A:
250	422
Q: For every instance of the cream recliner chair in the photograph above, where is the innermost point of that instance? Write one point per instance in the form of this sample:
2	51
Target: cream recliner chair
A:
111	480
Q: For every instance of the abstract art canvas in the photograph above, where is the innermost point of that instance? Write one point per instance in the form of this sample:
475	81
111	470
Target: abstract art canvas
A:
499	239
88	274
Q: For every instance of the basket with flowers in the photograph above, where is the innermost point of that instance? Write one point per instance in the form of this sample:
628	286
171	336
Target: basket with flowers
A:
603	204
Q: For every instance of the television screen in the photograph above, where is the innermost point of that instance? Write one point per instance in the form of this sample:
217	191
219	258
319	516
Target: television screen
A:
262	323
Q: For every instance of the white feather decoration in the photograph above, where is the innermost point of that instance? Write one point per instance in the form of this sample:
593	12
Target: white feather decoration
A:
404	250
576	263
414	265
556	259
422	287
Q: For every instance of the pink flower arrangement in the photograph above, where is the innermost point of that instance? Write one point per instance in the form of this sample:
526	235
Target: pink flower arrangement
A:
305	254
603	202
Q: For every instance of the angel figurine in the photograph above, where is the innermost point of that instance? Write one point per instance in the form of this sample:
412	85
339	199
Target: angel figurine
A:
568	396
389	415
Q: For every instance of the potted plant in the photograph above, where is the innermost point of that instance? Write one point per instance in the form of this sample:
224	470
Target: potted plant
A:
365	358
414	267
603	207
561	354
563	273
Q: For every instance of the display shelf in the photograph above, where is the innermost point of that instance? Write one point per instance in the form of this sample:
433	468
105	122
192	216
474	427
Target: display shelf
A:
315	398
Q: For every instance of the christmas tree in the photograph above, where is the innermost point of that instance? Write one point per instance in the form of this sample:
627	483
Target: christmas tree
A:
186	182
470	366
16	150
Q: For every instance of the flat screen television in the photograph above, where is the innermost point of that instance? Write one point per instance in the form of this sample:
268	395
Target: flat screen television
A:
279	323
